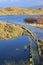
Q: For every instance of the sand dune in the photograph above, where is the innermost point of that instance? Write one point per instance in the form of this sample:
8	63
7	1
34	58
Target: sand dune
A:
20	11
8	31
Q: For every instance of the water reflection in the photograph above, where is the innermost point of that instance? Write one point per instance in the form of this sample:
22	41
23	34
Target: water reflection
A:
37	31
12	51
16	19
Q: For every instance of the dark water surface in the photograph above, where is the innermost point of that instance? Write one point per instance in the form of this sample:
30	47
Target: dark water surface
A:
13	50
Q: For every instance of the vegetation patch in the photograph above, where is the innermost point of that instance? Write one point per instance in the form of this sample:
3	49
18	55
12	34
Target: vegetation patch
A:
8	31
21	11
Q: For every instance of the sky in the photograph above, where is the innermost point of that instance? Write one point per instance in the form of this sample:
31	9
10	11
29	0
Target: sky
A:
20	3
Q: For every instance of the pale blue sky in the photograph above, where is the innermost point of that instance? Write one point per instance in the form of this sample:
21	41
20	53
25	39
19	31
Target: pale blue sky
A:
20	3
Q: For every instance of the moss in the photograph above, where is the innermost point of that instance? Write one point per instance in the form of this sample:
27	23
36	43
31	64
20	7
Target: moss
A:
8	30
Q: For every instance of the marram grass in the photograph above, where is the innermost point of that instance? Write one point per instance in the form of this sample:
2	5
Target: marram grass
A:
8	31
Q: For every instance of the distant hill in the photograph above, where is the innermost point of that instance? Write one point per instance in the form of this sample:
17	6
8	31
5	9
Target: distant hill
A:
20	11
37	7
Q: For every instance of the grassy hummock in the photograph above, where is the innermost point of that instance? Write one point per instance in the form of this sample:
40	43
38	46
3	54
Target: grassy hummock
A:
8	30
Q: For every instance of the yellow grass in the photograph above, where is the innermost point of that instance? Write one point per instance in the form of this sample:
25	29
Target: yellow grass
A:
36	25
8	30
20	11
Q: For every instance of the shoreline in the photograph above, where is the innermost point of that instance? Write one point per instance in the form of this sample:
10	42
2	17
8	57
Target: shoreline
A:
36	25
21	14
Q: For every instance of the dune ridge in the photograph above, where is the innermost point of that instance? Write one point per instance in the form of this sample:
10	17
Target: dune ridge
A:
21	11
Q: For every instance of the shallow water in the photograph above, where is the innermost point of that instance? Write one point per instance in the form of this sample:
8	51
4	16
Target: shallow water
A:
37	31
19	19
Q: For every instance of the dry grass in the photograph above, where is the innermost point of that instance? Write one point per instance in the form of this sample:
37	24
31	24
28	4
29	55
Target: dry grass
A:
20	11
40	26
8	30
